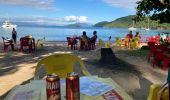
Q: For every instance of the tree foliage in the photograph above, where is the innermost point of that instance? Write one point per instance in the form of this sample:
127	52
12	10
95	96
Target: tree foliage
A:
159	10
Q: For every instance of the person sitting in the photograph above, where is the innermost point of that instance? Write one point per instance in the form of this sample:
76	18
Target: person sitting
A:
84	40
94	37
128	37
138	36
93	40
137	40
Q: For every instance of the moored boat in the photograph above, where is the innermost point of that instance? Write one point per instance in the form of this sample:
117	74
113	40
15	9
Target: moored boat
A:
7	24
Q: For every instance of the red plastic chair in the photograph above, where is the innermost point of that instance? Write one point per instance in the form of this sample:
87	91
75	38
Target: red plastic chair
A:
92	44
153	39
158	54
151	46
166	61
69	41
166	58
27	42
157	39
7	43
84	44
72	42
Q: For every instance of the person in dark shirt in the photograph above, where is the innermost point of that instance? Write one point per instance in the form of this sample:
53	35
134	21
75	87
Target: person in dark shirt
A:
85	38
137	35
14	35
94	37
130	35
110	38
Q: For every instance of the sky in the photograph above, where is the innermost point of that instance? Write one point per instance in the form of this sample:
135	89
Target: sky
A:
61	12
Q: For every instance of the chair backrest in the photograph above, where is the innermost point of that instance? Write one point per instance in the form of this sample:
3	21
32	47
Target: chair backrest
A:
3	38
60	64
72	40
93	40
100	43
151	44
136	40
25	41
118	41
69	40
157	38
40	43
6	42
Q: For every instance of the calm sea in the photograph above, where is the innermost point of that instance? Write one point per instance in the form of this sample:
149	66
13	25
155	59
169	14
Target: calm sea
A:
60	33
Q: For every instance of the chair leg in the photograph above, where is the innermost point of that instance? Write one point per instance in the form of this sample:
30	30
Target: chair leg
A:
30	49
68	46
5	48
155	62
165	63
12	47
21	48
149	55
71	46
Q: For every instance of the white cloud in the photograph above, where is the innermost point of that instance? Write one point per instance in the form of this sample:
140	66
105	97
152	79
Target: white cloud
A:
39	4
70	18
79	19
82	19
123	4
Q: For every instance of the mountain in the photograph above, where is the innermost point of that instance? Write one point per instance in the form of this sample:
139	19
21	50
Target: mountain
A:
101	24
120	22
78	25
127	21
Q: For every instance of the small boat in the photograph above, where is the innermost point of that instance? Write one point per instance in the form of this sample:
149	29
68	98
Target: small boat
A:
132	28
9	25
147	29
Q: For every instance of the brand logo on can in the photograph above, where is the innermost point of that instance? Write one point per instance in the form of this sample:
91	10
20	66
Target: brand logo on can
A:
52	85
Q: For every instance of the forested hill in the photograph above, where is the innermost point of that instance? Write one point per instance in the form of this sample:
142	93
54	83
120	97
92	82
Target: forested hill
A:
126	22
120	22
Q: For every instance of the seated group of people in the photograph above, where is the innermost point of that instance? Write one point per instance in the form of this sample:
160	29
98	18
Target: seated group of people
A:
85	41
88	40
132	41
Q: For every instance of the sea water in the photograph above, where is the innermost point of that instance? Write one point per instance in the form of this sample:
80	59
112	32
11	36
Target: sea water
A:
60	33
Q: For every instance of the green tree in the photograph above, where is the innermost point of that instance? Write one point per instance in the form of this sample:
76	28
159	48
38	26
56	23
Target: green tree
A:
159	10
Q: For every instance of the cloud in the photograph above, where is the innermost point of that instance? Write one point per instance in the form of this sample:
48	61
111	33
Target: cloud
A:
79	19
123	4
82	19
39	4
70	18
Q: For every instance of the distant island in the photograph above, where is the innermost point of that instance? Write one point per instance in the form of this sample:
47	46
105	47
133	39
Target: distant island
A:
126	22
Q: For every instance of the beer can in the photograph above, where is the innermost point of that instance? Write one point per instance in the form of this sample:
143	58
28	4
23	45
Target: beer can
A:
72	87
53	87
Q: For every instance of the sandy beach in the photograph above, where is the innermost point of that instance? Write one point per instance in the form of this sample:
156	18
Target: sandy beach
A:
133	74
